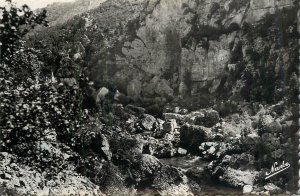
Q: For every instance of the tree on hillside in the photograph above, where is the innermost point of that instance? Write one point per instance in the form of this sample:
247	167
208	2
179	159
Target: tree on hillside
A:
15	23
31	107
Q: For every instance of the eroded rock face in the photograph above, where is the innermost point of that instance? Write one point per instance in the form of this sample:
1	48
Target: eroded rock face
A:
181	47
166	48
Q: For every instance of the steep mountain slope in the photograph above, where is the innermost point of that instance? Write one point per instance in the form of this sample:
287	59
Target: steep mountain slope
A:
59	13
162	48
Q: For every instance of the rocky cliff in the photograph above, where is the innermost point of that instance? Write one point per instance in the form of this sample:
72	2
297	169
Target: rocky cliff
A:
165	48
59	13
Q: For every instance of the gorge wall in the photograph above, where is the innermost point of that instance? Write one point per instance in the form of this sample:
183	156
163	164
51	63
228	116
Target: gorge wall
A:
163	48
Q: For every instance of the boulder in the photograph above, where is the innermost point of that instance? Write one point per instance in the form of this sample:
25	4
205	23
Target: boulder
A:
147	122
122	99
169	137
166	177
191	136
176	110
218	150
182	151
102	92
191	117
238	178
247	189
145	167
164	150
208	149
183	111
230	130
170	126
177	190
241	161
126	148
135	109
99	144
111	180
170	116
159	131
159	148
210	118
119	111
105	148
273	189
7	176
226	148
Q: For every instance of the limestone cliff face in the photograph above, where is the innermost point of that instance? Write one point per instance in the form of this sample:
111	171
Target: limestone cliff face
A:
59	13
187	47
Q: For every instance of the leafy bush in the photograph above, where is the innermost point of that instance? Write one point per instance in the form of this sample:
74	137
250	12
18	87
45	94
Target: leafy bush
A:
15	23
31	107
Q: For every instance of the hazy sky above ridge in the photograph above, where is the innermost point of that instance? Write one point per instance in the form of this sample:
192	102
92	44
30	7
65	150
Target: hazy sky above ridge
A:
34	4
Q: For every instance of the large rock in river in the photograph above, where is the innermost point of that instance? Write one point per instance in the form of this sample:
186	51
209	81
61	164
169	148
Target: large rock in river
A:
148	122
209	119
238	178
191	136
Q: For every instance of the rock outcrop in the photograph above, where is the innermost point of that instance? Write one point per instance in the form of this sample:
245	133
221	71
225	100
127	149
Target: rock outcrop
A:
167	48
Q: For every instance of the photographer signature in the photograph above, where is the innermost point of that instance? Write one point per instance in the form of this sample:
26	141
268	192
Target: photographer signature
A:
276	169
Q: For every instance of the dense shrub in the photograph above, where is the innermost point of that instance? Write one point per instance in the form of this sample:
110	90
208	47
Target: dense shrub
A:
31	107
15	23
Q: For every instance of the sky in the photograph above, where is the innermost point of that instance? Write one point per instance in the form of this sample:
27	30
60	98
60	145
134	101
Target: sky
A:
34	4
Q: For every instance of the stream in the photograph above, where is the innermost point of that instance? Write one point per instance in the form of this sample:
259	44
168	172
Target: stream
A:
210	187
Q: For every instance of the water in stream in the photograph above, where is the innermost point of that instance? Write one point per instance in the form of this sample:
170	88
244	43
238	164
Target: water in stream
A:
210	187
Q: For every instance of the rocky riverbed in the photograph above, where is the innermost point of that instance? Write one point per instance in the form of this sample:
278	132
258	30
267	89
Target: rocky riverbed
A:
130	152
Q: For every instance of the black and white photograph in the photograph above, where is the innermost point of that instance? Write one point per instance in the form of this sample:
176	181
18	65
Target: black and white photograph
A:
149	97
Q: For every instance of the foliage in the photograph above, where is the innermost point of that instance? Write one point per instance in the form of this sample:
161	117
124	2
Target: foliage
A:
32	107
15	23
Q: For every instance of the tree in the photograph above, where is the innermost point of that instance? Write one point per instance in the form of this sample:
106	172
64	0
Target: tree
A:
31	107
15	23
